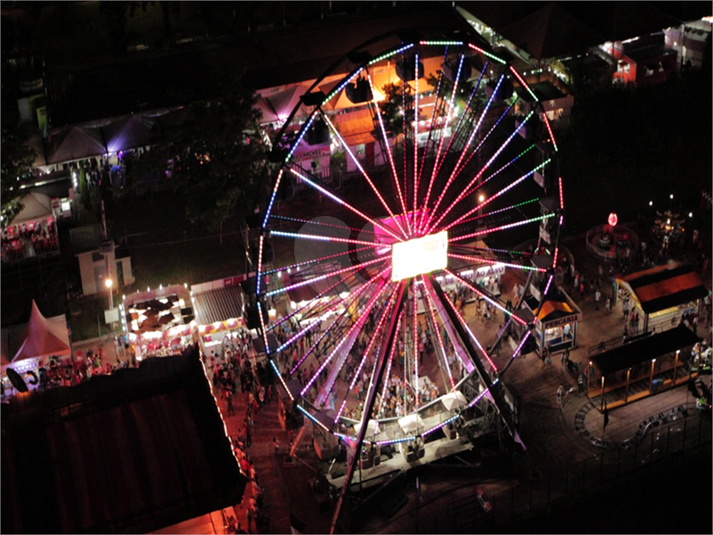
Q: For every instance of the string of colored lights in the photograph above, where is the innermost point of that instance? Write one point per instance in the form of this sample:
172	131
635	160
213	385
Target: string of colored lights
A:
441	425
453	175
432	129
486	137
387	144
322	224
272	198
442	136
523	83
319	237
309	415
316	260
302	133
461	119
488	54
364	174
484	260
486	297
489	214
415	140
390	53
394	441
547	288
358	323
498	194
259	264
477	186
475	179
501	227
345	204
549	129
322	277
352	299
414	380
440	43
405	148
559	180
464	324
373	339
342	85
309	306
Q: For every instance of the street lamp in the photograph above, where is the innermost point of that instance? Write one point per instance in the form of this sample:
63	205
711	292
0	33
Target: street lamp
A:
109	283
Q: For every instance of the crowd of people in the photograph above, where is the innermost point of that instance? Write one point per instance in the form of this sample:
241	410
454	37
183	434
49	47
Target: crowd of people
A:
29	239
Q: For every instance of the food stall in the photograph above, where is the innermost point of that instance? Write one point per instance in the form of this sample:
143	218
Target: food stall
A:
555	322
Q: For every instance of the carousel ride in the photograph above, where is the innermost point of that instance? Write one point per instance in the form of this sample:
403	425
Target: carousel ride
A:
357	270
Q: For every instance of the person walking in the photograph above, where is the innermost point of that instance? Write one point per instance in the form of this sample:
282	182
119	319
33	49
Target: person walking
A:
597	298
607	305
560	393
580	383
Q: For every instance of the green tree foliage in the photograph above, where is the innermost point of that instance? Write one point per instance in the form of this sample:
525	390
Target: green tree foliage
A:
216	158
17	159
392	107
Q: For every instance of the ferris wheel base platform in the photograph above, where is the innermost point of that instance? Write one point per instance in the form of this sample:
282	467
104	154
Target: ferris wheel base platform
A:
377	473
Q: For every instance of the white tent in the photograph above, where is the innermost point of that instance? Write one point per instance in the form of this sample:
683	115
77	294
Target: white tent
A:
45	337
410	423
454	399
37	207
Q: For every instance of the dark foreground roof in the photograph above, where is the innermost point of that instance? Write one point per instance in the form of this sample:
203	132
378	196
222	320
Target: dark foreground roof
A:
623	357
131	452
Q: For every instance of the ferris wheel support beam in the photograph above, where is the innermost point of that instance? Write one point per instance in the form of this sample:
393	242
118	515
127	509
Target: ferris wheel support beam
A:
495	393
389	341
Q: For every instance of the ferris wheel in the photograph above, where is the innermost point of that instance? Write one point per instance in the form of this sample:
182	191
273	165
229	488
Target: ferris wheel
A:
392	184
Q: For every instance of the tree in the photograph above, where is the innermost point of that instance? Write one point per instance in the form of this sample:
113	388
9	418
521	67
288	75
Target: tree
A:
17	159
392	107
216	157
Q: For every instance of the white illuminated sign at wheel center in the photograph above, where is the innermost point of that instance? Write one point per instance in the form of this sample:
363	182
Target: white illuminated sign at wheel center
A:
419	256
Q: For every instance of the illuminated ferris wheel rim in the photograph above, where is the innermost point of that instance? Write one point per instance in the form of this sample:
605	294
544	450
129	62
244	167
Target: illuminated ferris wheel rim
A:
410	236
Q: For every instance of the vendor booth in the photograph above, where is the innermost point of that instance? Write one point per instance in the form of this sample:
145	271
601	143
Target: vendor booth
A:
158	322
555	321
664	295
220	311
642	368
32	232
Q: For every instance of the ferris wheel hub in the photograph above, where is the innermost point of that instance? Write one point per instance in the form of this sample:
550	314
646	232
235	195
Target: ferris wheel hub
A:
419	256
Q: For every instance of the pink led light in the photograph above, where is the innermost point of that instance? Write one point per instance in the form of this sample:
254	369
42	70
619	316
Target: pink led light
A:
501	227
318	237
440	340
486	297
372	341
326	275
415	141
561	194
462	155
490	261
388	151
549	129
318	260
358	324
272	198
259	264
346	205
462	194
364	174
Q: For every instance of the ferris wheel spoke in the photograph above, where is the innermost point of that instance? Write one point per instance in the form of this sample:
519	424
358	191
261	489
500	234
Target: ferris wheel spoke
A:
463	120
376	336
387	144
349	269
332	331
385	382
344	203
499	228
321	224
485	260
517	207
475	179
364	173
430	307
456	168
489	298
442	136
415	139
309	309
496	195
299	265
350	337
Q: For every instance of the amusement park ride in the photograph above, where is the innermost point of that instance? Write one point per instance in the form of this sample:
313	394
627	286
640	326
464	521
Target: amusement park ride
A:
360	275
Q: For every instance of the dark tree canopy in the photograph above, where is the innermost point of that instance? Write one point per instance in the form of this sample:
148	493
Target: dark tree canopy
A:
16	160
216	157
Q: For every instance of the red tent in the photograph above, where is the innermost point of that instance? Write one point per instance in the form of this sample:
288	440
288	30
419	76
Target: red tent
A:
45	337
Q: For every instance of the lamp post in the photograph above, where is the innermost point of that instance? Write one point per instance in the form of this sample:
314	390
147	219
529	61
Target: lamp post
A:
109	283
